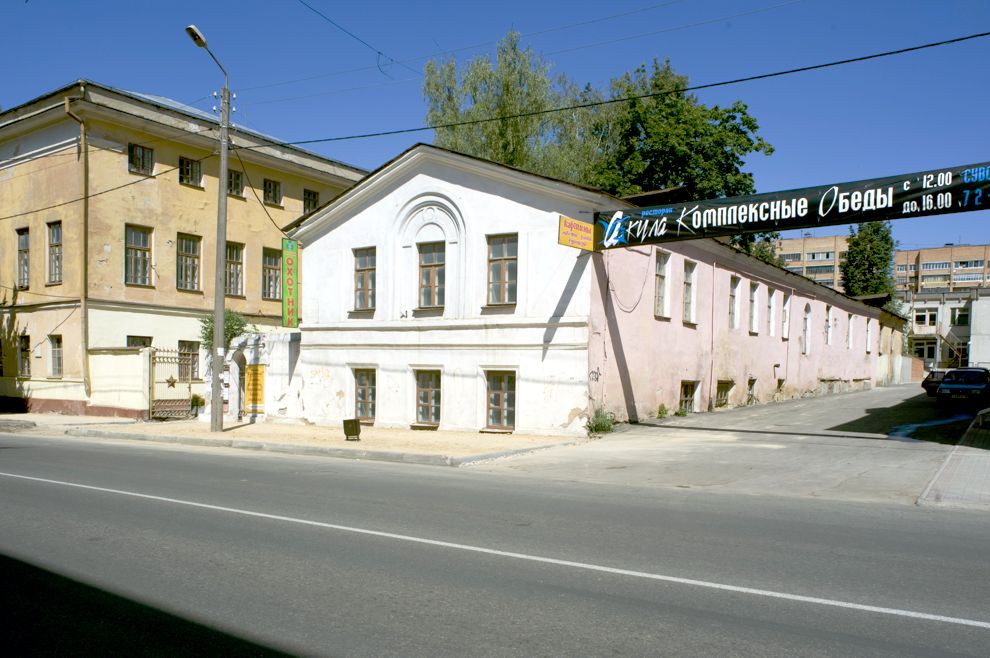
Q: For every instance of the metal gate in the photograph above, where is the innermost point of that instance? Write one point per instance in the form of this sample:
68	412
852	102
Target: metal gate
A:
171	384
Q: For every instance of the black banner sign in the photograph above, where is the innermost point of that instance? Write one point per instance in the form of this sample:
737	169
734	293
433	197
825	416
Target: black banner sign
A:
936	192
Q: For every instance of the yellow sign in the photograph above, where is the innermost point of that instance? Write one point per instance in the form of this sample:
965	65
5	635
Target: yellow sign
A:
575	233
254	389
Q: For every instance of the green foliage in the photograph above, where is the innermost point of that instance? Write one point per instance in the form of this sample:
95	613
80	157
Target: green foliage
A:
635	145
601	422
234	325
869	263
662	411
680	412
197	400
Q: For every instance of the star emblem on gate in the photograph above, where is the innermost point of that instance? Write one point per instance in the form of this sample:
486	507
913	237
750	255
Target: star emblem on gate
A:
171	381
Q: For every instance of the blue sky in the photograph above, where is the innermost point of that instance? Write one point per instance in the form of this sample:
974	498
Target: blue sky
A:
299	77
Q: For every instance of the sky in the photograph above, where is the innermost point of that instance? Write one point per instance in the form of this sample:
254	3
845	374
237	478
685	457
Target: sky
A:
356	69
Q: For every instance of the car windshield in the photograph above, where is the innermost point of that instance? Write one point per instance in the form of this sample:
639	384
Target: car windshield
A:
964	377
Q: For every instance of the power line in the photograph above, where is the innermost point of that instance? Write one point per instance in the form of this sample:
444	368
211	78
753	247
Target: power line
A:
340	27
255	192
711	85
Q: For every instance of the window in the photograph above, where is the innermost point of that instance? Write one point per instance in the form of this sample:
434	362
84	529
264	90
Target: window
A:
869	336
428	397
140	159
501	400
55	355
968	264
934	278
785	317
23	258
926	317
902	268
660	291
941	265
24	356
190	172
273	192
688	292
688	396
972	276
828	325
925	348
55	252
733	302
235	183
431	274
819	269
849	331
271	274
790	257
820	255
960	317
188	360
796	270
364	279
754	313
311	200
137	255
139	341
364	394
751	392
806	331
771	315
187	262
502	269
234	269
722	392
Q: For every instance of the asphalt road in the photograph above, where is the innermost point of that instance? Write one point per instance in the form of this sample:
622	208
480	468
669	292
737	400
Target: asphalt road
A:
164	550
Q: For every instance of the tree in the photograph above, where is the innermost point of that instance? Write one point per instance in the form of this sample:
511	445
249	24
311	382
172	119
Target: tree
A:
234	325
868	266
647	134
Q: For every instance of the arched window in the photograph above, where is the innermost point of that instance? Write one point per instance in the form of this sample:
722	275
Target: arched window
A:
806	331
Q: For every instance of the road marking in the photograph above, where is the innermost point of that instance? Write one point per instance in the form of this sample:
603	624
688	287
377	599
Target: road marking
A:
526	557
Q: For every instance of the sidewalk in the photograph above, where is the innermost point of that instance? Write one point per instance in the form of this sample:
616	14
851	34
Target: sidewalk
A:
446	448
964	478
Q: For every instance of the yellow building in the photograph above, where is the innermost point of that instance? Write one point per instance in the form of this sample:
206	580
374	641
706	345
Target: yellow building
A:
815	258
108	210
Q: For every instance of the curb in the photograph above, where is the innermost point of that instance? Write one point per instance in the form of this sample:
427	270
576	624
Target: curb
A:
310	450
14	425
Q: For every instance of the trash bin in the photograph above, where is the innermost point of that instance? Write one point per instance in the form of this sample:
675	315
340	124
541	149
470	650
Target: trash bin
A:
352	429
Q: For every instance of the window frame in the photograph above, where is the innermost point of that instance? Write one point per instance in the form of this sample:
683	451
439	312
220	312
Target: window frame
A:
311	200
734	283
272	192
24	356
187	261
271	274
233	269
687	292
132	251
688	401
190	172
661	293
435	401
189	349
754	308
138	341
55	356
365	277
503	287
432	289
140	159
23	258
55	252
771	311
505	406
235	175
366	381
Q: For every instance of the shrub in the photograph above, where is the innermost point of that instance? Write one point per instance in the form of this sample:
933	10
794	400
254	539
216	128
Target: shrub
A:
680	412
197	400
662	411
601	422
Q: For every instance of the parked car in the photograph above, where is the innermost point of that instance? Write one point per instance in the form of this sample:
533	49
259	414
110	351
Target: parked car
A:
932	380
965	386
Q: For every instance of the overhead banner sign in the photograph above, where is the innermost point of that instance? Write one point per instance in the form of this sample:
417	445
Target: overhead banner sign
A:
290	283
921	194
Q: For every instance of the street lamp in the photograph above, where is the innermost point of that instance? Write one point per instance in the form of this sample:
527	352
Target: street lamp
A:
216	359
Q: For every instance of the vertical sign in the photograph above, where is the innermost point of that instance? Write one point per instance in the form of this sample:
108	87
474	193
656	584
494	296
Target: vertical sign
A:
290	283
254	385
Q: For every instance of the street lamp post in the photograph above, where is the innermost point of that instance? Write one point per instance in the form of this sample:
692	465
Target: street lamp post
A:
216	358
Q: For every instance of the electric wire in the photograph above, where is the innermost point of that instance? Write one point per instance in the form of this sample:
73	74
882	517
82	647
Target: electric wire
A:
626	99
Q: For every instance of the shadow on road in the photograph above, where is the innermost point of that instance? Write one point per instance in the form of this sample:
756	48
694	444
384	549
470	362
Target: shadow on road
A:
919	417
48	614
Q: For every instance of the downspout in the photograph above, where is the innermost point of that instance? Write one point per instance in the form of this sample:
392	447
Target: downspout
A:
84	292
711	364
